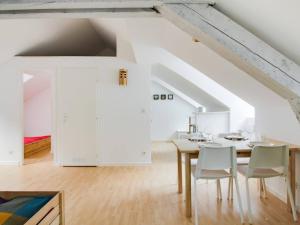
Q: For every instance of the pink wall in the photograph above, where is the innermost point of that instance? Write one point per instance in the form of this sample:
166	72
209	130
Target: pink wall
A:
37	114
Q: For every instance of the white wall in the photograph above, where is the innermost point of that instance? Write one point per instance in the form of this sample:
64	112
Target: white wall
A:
206	100
189	61
214	122
275	119
124	113
167	116
37	114
240	109
11	113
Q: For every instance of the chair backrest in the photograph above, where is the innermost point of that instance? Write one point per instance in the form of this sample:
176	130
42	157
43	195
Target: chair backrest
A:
268	157
216	158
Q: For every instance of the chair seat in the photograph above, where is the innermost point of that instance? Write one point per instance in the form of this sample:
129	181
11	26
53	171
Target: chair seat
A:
211	174
258	173
242	161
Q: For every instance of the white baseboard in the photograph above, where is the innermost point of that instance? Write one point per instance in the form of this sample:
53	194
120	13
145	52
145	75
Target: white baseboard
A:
281	196
10	163
125	164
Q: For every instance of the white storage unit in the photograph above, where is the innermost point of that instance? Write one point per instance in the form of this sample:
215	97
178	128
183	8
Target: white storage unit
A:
99	122
76	91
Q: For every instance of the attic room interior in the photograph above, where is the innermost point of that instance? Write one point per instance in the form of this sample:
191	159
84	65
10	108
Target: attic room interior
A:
153	112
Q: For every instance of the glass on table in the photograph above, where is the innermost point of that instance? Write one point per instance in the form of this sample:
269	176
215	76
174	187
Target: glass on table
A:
256	137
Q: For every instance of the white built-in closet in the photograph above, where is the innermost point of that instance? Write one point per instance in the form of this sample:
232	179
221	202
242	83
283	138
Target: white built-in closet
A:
99	122
76	88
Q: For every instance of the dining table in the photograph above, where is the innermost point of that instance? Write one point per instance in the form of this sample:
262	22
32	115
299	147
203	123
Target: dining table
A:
190	150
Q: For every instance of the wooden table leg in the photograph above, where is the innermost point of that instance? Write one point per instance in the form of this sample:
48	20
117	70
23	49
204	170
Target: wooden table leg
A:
292	171
179	171
188	188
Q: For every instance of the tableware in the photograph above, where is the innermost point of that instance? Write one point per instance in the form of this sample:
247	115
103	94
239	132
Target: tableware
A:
236	138
197	139
259	143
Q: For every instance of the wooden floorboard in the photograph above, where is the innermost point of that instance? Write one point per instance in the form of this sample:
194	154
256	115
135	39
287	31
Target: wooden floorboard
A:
41	156
143	195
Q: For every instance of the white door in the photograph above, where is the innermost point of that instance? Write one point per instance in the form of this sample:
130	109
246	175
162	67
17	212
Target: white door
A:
76	97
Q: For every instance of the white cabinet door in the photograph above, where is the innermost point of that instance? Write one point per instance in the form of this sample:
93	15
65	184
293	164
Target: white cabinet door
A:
76	98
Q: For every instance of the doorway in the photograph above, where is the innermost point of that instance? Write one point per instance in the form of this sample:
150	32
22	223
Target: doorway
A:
37	116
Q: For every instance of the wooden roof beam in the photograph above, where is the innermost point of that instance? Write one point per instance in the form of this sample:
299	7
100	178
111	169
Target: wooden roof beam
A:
240	47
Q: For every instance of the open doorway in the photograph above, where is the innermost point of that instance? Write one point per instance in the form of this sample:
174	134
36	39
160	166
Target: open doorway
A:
37	100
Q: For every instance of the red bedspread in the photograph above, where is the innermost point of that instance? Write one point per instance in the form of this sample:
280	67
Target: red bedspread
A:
28	140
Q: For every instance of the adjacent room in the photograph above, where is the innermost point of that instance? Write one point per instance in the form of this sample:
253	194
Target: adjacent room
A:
37	116
149	112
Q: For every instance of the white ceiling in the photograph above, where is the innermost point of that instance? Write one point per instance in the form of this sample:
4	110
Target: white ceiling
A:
49	37
40	31
274	21
188	88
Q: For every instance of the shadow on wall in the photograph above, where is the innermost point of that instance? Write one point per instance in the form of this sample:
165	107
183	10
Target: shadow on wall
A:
76	37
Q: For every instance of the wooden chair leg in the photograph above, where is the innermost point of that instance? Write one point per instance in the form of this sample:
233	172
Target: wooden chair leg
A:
261	187
258	184
217	185
231	197
195	202
229	188
219	190
292	202
264	188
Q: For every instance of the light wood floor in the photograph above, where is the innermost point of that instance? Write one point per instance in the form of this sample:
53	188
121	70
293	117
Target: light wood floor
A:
42	156
144	195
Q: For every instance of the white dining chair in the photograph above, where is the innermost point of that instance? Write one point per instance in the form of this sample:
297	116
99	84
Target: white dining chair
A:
218	182
266	162
216	163
240	161
262	184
